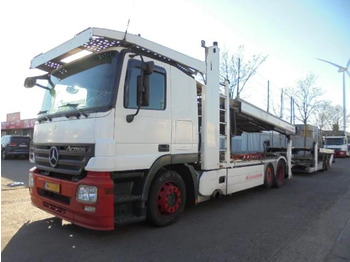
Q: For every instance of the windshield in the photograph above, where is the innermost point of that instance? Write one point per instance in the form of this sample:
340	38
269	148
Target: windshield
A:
335	141
85	85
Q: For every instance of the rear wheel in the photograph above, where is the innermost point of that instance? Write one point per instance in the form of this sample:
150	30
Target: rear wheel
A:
268	177
325	163
280	173
166	199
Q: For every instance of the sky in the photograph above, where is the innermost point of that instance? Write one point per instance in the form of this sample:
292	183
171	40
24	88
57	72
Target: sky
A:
293	33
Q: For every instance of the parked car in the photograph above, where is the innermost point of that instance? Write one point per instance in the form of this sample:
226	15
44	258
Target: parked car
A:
12	145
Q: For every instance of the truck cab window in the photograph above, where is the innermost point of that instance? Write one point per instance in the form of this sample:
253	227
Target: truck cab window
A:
157	84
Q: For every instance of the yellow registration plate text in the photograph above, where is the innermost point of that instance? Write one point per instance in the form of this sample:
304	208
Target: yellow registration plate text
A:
52	187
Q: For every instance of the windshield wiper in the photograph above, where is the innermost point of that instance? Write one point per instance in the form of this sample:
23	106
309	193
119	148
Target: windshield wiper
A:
75	106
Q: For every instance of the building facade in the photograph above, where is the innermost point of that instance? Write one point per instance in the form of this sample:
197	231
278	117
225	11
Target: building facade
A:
17	126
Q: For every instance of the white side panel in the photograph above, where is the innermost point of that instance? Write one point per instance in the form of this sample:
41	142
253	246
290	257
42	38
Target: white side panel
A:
184	113
244	177
209	182
138	142
210	113
183	132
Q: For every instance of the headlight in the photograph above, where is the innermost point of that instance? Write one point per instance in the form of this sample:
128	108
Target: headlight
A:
87	194
30	180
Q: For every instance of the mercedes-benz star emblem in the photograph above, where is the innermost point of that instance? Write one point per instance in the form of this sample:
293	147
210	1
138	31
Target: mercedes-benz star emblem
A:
53	156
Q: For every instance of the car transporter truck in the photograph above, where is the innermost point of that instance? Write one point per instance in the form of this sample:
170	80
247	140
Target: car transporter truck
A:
127	132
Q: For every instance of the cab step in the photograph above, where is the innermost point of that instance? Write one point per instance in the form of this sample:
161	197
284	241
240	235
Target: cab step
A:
129	219
126	198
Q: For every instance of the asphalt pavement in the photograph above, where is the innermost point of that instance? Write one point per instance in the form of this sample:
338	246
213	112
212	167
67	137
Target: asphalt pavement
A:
328	239
308	219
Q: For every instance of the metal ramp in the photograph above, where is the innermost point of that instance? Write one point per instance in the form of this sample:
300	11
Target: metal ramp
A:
249	118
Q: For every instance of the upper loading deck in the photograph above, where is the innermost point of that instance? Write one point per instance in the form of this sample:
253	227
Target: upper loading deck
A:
94	40
250	118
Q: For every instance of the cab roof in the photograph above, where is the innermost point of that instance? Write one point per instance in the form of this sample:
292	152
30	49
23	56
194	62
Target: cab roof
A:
95	40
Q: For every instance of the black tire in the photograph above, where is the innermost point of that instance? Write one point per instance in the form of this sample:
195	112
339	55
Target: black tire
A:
325	163
280	174
328	164
268	176
167	198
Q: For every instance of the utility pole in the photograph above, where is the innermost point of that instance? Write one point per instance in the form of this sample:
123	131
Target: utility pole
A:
292	116
268	96
293	111
239	69
344	104
281	114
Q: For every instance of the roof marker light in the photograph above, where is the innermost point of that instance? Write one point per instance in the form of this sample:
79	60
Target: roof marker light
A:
76	56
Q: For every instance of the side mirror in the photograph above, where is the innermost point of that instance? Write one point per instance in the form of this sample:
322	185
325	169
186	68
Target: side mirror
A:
29	82
143	85
149	68
146	91
143	90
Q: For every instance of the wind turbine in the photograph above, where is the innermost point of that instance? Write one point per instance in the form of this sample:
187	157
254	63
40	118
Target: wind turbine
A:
342	69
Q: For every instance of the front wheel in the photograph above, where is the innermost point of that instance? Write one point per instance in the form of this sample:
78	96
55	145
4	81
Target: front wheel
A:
166	199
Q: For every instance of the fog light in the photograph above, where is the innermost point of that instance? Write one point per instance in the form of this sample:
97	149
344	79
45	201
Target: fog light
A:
87	194
89	209
30	180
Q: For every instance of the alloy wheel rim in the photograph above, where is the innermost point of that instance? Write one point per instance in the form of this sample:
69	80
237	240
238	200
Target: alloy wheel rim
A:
169	198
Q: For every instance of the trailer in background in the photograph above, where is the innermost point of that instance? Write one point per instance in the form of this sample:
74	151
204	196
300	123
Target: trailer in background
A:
307	155
310	160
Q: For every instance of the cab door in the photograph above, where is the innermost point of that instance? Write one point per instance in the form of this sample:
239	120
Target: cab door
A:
148	136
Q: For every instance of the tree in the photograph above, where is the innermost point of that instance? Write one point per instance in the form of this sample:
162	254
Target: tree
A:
306	95
337	117
322	116
237	70
306	98
328	116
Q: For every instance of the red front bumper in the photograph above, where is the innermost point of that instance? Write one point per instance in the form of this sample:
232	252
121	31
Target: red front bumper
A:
65	205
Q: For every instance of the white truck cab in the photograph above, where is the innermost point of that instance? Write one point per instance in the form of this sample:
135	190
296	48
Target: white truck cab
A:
339	144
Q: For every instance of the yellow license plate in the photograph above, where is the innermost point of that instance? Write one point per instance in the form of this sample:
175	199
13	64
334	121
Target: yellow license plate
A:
52	187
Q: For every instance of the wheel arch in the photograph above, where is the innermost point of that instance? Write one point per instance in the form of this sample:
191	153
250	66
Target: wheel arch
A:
285	162
178	163
280	175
